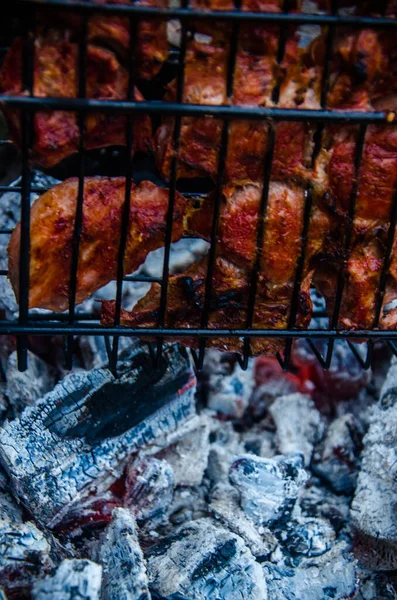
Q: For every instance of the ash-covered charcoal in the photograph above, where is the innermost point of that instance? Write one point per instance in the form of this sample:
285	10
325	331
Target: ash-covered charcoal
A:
318	500
330	575
375	586
268	487
25	553
189	504
77	439
74	579
25	388
298	424
229	394
188	454
374	505
2	594
9	510
271	383
202	561
224	506
124	569
303	537
388	393
260	439
337	458
225	446
149	488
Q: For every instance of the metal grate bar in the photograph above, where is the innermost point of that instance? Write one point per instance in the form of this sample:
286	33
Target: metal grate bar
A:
260	233
364	363
127	200
222	15
349	235
13	328
172	191
156	107
386	261
26	136
78	223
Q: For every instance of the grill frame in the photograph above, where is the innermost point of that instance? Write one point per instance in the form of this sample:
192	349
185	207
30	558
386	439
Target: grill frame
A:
71	324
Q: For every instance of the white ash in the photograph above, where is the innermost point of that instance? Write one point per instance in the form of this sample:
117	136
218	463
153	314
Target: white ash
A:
229	394
189	504
374	505
25	553
25	388
79	436
74	578
149	488
188	455
224	506
121	557
202	561
225	446
337	460
268	487
330	575
298	424
304	537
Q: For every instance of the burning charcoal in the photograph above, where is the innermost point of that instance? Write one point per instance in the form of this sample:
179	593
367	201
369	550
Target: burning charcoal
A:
200	561
24	389
73	579
224	505
149	488
304	537
78	438
124	570
188	454
229	394
374	505
337	460
298	424
188	504
268	487
25	553
272	382
331	575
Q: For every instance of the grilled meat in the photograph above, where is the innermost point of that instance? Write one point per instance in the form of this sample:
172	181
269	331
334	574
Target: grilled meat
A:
56	133
52	226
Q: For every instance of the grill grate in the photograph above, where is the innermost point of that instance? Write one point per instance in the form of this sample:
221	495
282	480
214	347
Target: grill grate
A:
71	323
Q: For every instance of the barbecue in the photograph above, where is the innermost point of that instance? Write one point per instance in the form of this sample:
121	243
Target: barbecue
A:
198	297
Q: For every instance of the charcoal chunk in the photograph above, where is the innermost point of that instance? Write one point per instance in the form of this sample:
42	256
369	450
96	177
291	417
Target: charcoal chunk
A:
149	488
224	506
374	505
74	579
124	570
188	454
200	561
25	553
25	388
338	455
303	537
331	575
79	436
298	424
268	487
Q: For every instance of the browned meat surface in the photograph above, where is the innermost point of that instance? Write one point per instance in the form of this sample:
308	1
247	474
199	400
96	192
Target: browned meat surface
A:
56	75
52	225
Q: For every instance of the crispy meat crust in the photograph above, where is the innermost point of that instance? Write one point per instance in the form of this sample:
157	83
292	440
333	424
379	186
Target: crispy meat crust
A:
52	225
56	75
